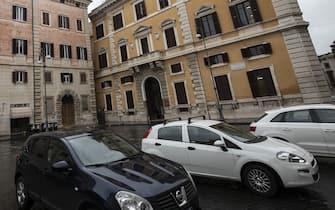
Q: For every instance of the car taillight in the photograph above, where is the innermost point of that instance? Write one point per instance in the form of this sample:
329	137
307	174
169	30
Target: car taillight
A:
252	128
147	133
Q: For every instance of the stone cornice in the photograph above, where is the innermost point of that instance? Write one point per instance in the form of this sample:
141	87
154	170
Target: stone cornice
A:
103	8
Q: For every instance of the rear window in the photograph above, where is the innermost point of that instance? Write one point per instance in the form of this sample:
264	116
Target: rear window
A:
172	133
261	117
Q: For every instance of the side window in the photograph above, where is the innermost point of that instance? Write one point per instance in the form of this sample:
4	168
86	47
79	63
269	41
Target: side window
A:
39	148
57	152
326	115
298	116
173	133
279	118
201	135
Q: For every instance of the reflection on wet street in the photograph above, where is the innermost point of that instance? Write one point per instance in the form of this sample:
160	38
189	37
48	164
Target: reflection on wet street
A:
214	194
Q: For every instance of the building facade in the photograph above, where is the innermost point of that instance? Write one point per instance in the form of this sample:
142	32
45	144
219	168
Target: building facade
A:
328	64
45	64
179	58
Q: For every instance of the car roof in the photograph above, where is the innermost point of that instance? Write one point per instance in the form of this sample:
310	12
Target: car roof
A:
205	123
71	134
301	107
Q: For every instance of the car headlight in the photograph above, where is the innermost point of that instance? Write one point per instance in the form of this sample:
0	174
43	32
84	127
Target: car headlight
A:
130	201
292	158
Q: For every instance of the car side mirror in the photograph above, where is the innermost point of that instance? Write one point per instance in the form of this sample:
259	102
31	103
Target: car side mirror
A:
220	143
61	166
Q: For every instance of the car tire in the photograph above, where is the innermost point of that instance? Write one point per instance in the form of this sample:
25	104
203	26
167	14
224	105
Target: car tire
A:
260	180
22	197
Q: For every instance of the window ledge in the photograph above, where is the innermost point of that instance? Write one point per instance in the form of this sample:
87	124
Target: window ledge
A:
228	102
20	21
268	98
178	73
259	57
127	83
218	65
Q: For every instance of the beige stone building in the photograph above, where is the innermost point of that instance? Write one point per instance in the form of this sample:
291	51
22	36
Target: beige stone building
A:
159	59
64	89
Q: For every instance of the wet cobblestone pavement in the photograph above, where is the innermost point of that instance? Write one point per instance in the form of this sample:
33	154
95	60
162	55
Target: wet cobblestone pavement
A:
214	194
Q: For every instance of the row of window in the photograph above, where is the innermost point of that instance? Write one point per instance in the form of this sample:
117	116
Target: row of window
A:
20	48
243	13
129	102
221	58
260	81
20	14
22	77
124	80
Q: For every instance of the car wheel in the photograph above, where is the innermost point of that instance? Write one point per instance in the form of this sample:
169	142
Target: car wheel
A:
260	180
22	197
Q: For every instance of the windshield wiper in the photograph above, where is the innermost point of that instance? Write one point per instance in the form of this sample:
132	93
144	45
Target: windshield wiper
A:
97	164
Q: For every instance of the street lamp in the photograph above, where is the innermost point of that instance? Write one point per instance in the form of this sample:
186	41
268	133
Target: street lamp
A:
42	58
218	105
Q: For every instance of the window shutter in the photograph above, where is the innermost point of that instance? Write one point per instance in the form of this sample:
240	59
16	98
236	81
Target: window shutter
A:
70	52
255	10
67	22
234	16
144	9
253	83
14	48
199	27
130	99
14	12
25	77
62	77
71	78
25	14
61	51
216	23
78	53
225	57
52	50
206	61
103	85
267	48
25	47
14	77
59	21
85	53
245	52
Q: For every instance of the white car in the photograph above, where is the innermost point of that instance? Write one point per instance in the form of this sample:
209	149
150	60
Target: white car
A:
215	149
309	126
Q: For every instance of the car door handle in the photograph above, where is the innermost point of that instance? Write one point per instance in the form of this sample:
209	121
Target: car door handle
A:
190	148
286	129
328	130
158	144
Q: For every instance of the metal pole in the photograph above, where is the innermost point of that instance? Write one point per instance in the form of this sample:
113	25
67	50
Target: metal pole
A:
218	105
45	89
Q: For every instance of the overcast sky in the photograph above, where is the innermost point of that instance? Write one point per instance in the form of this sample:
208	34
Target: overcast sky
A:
320	14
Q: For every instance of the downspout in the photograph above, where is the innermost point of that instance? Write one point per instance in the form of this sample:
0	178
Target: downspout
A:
33	45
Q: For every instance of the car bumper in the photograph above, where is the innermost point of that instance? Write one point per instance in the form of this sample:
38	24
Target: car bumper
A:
296	175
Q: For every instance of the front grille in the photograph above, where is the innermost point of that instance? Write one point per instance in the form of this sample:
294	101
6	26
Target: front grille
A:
167	202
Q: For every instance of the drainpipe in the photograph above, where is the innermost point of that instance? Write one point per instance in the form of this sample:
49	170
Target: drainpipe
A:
33	45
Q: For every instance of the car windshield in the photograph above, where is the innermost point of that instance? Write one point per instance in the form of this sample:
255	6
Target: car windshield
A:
237	133
101	149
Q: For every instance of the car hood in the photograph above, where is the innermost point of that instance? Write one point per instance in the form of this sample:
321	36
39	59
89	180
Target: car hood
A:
275	145
144	174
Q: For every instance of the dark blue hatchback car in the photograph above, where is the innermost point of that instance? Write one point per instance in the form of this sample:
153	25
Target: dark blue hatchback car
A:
98	171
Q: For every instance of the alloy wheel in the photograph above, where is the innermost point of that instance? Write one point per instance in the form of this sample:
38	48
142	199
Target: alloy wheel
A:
259	180
20	193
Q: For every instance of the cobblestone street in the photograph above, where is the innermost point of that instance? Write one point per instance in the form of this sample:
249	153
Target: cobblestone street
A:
214	194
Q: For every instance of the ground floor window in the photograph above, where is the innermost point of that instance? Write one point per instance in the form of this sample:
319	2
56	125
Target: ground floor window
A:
261	83
130	100
50	105
19	125
331	78
84	103
108	98
223	88
181	96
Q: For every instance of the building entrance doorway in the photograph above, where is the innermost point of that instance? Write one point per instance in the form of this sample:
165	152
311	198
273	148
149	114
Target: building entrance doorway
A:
68	111
154	99
19	125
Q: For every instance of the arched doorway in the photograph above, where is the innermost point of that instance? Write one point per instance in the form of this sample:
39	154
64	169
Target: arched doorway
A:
154	99
68	111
